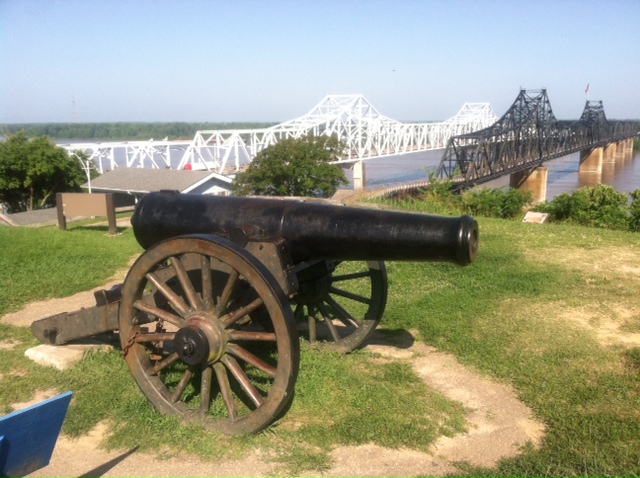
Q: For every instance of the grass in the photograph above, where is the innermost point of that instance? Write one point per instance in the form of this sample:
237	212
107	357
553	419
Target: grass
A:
549	309
43	263
531	312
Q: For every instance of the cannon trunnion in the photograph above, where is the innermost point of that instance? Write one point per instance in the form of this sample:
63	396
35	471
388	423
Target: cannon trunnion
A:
210	315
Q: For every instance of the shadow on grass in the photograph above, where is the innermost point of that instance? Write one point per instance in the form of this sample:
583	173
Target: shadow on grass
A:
96	227
399	338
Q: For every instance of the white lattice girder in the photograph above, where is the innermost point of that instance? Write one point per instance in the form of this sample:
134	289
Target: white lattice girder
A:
141	154
351	118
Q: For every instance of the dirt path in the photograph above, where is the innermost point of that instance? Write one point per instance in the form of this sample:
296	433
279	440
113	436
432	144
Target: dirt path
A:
498	424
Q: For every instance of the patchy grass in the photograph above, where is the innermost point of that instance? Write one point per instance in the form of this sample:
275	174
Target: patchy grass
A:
42	263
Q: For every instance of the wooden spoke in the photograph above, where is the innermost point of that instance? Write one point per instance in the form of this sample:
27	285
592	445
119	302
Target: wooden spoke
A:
159	313
298	313
243	380
207	283
175	300
205	389
328	322
313	332
248	335
194	300
226	293
162	364
346	277
349	295
184	381
241	312
345	316
151	337
252	359
225	389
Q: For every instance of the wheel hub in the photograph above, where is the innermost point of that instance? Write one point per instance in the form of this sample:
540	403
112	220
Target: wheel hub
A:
313	291
315	282
201	340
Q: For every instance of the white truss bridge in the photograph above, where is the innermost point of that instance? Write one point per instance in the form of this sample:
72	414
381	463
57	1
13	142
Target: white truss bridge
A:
351	118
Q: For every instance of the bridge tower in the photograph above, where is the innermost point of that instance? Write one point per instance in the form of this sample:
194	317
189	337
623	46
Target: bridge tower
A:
595	126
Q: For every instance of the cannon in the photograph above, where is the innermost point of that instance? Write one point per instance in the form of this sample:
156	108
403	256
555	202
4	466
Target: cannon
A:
211	315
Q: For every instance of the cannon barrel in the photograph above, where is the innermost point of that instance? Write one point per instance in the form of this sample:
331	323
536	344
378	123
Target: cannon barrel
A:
312	230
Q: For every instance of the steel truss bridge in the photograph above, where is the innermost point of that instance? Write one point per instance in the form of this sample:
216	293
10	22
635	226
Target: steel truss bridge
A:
525	137
351	118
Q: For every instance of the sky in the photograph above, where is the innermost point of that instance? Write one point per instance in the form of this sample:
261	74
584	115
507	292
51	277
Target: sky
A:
274	60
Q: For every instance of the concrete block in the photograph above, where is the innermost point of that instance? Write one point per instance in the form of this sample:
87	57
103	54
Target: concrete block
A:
535	217
63	357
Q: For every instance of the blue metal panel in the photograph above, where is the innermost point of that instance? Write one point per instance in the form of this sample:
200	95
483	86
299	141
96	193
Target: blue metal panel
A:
27	437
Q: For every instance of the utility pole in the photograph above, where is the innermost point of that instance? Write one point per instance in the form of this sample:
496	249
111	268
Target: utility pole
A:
74	110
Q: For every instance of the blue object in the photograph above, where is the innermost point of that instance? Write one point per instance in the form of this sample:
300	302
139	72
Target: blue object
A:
28	437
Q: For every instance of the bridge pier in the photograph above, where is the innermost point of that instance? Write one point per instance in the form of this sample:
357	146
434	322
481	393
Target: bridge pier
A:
534	180
625	149
609	153
609	161
591	160
359	176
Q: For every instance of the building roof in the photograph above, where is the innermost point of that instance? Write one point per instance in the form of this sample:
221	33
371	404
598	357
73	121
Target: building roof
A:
145	180
37	217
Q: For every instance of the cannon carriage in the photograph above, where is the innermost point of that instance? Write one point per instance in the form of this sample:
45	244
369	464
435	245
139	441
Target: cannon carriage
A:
209	316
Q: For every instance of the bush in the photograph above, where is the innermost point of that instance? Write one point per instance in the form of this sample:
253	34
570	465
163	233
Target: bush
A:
497	203
441	198
600	206
440	195
634	211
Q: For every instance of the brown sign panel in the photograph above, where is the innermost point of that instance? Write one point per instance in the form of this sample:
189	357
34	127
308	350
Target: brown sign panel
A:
88	205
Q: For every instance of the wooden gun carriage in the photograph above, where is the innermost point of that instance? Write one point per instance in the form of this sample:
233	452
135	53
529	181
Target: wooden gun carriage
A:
209	316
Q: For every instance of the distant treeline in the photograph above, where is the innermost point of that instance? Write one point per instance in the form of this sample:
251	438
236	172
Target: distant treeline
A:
120	131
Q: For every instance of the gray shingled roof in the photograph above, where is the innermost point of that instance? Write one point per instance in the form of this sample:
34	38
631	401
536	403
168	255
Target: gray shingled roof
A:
144	180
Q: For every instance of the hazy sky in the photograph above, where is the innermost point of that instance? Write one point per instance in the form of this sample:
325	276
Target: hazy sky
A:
273	60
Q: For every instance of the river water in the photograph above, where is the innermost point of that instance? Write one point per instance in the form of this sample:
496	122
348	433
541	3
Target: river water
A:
563	173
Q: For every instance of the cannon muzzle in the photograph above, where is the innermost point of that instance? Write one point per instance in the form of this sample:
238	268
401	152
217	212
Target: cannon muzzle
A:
311	230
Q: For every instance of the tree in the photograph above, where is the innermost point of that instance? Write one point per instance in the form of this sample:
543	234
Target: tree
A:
33	171
294	167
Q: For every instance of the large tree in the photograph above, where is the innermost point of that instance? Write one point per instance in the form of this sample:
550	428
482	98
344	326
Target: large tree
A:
32	171
294	167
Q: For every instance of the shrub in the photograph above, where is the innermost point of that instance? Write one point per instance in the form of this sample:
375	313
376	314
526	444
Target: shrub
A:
497	203
600	206
634	211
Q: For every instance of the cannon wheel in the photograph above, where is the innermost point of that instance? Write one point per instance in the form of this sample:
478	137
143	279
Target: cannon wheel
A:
340	303
209	335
